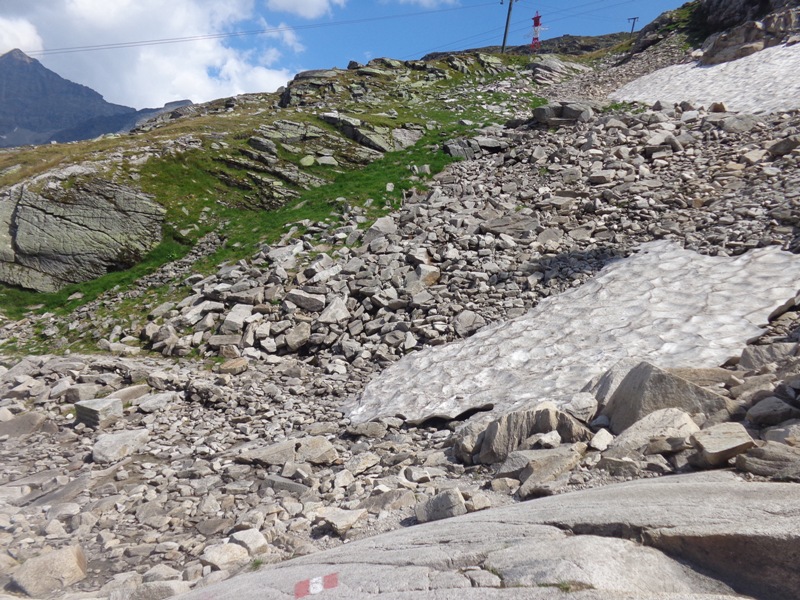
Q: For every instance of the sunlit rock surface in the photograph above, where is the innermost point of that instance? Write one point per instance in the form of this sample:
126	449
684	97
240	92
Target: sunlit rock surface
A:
672	307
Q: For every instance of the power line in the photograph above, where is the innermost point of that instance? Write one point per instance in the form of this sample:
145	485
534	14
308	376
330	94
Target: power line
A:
232	34
568	13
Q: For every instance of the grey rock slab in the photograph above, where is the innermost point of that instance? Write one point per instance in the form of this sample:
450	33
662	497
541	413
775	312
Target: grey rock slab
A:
719	443
101	411
566	340
275	454
298	336
588	562
381	227
772	459
23	425
153	590
664	423
51	572
712	521
339	519
306	301
317	450
444	505
647	389
113	447
252	540
335	312
77	234
771	411
547	465
225	556
391	500
785	433
508	432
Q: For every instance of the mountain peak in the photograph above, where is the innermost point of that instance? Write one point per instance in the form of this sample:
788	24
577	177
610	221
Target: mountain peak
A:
17	55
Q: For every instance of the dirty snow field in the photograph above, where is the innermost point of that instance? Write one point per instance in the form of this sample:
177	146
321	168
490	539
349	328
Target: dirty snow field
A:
767	81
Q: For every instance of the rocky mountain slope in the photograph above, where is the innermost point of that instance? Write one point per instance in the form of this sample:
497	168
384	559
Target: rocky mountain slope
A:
38	106
253	402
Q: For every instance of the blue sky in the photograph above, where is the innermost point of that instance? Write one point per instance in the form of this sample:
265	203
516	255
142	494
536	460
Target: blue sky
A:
295	35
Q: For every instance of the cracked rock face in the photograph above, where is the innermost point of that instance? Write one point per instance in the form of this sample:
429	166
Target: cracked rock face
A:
606	543
79	234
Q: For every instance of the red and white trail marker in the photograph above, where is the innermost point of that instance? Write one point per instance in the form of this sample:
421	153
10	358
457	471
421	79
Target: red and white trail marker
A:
315	585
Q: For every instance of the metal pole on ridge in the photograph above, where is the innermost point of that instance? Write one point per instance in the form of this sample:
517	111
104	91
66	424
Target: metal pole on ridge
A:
508	22
632	21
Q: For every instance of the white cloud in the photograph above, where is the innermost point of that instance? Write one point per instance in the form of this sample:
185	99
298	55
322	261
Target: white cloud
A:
309	9
150	75
18	33
430	3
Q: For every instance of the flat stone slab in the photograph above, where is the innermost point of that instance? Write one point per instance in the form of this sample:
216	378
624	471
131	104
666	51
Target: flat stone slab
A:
713	521
667	305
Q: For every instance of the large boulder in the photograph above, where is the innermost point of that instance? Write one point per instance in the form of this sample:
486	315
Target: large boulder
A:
612	542
723	14
51	572
75	234
647	389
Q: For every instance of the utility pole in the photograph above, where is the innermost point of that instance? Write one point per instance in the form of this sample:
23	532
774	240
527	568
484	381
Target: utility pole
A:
632	21
508	22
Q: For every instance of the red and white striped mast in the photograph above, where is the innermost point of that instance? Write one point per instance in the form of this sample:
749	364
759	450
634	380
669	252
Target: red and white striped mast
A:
536	44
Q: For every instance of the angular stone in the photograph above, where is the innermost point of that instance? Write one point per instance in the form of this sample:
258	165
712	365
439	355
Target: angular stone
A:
234	366
468	322
601	440
217	341
48	573
784	146
547	465
235	319
275	454
340	520
306	301
316	450
755	357
161	572
719	443
361	462
23	425
647	389
372	429
279	483
99	412
157	402
444	505
225	557
112	447
252	540
428	274
335	312
82	391
130	393
298	336
381	227
582	406
776	461
785	433
771	411
667	422
391	500
509	431
156	590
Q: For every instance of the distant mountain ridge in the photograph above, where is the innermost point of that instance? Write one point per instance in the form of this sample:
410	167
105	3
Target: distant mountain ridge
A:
38	106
